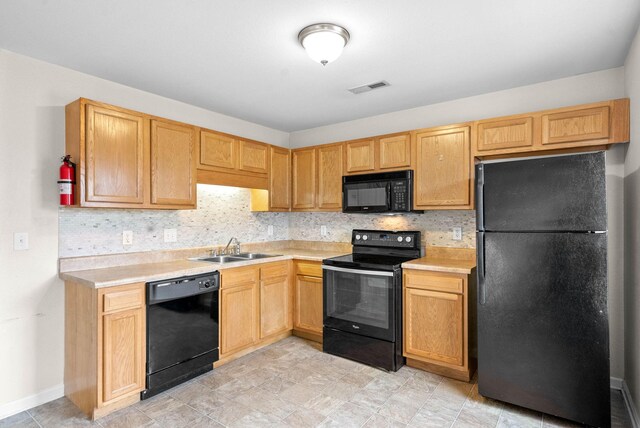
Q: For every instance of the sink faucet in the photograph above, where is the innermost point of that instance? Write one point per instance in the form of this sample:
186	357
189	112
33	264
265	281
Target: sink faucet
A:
235	249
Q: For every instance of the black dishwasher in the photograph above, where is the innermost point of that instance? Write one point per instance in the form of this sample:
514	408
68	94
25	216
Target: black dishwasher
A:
182	330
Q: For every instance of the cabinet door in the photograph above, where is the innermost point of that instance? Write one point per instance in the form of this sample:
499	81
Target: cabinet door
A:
303	174
238	317
280	180
253	157
173	164
122	353
505	134
395	152
443	169
274	306
308	304
217	151
576	126
330	177
360	156
433	323
114	156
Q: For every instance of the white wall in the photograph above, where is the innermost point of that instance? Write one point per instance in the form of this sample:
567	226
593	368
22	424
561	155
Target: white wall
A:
632	227
32	99
585	88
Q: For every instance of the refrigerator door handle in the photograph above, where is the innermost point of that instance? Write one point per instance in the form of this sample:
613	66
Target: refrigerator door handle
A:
480	270
480	196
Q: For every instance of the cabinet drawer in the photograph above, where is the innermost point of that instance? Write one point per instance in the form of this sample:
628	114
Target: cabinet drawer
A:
233	277
309	269
274	270
123	299
431	281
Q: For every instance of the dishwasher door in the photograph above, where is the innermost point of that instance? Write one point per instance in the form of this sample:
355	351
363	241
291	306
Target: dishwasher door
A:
182	330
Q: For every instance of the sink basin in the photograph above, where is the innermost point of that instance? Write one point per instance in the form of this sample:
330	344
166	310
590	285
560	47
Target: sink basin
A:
221	259
255	255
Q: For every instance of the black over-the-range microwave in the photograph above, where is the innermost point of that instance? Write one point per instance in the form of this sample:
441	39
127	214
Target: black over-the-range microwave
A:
385	192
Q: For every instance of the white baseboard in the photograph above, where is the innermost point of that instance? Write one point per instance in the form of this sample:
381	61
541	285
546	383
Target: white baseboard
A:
616	383
631	407
26	403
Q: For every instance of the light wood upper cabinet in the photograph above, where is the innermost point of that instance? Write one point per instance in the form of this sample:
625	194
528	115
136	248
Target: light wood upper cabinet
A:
562	130
115	147
395	152
254	157
330	177
576	125
502	134
280	179
217	151
126	159
359	156
443	169
173	171
378	154
303	173
317	178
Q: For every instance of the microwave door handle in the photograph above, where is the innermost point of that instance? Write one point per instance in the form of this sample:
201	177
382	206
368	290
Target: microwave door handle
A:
388	196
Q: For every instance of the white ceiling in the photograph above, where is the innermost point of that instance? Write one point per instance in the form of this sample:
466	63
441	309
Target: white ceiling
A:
242	57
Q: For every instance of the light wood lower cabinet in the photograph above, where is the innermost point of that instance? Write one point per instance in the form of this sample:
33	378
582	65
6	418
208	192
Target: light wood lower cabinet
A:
104	346
436	314
308	311
255	307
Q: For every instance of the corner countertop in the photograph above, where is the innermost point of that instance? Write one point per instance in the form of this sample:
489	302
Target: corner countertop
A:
145	272
445	259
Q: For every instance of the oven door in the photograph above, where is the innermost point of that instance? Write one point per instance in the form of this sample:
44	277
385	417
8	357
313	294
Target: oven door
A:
360	301
366	197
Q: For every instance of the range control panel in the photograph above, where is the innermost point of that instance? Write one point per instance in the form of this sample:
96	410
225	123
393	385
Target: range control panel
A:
386	238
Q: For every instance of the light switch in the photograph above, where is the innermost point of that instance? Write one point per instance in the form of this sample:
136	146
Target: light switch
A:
270	230
20	241
456	234
323	230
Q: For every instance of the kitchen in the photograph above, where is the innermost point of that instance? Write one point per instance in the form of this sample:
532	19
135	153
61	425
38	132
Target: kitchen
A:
39	91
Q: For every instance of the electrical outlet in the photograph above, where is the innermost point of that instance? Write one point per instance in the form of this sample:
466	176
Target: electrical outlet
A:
323	230
456	234
270	230
127	237
170	235
20	241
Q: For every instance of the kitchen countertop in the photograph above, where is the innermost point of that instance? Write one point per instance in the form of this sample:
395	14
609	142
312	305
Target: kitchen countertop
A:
442	259
145	272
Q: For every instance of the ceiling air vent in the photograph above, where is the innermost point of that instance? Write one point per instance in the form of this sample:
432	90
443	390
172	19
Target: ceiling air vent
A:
369	87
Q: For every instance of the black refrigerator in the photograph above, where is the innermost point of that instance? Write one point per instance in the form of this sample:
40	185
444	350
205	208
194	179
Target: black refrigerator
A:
543	332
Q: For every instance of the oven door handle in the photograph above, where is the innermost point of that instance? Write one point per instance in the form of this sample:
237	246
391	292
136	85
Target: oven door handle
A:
359	271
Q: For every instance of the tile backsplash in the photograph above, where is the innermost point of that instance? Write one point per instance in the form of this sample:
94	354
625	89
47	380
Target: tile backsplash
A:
224	212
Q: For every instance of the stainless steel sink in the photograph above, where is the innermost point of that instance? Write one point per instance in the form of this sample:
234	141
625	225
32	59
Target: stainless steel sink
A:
242	257
221	259
255	255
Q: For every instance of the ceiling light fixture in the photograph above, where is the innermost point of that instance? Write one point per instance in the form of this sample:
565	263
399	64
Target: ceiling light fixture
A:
323	42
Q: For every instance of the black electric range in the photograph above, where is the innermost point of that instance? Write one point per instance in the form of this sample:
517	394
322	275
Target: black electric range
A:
363	297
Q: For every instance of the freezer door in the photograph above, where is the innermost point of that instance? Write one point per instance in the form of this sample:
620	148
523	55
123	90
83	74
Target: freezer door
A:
543	338
563	193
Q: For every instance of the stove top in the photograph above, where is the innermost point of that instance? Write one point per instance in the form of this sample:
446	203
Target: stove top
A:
379	250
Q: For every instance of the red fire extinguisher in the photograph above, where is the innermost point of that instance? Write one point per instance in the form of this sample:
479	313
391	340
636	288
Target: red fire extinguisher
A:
67	181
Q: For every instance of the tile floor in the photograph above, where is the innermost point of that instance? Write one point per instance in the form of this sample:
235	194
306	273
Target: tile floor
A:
292	384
